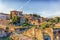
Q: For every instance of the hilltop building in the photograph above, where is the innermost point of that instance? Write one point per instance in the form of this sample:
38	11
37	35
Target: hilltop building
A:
14	12
4	16
18	13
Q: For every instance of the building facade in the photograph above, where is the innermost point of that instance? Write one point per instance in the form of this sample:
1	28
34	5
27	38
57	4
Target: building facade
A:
14	12
18	13
4	16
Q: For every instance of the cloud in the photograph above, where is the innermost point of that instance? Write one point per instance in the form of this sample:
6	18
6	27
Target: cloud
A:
4	9
50	14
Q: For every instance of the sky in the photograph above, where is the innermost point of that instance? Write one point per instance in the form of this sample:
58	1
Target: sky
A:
45	8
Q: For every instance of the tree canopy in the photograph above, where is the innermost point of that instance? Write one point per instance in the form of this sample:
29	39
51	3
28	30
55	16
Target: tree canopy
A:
15	19
45	25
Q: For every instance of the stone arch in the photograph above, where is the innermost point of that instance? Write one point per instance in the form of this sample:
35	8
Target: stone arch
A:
46	36
56	32
49	31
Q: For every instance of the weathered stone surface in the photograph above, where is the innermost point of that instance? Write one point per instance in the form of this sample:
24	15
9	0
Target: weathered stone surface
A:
50	32
39	33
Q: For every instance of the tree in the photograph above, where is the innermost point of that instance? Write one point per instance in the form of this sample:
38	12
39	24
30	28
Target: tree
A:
26	20
45	25
51	20
25	24
15	19
35	15
57	19
6	38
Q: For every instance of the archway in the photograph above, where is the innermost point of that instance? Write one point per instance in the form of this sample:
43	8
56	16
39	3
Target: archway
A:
46	36
56	33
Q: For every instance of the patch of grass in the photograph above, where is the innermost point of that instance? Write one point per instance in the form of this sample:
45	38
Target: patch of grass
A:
6	38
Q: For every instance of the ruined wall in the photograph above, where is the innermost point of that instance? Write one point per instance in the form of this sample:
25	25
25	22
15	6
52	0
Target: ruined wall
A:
49	31
39	33
30	32
34	33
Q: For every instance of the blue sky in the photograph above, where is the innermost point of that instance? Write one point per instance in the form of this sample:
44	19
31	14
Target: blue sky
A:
46	8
